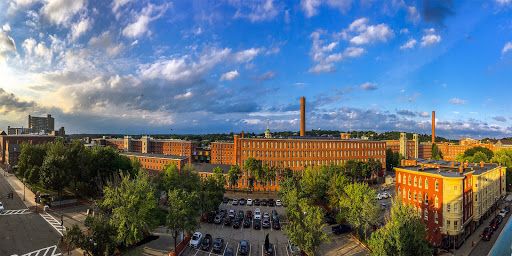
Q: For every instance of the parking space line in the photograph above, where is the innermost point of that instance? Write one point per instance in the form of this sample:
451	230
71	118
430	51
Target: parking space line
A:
237	249
225	247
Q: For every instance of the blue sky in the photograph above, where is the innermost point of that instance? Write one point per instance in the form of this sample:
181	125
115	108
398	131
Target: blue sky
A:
139	67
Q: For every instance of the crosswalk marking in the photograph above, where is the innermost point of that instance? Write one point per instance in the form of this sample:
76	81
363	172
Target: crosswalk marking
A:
12	212
44	252
52	221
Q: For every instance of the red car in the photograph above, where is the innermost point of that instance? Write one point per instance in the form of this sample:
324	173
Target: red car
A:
494	224
487	234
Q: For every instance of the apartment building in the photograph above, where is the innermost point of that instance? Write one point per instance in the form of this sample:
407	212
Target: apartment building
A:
10	147
452	198
155	163
41	124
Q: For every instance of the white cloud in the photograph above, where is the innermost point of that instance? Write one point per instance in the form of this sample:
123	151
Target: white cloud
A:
229	75
42	51
310	7
369	86
80	28
60	12
430	39
366	34
322	68
247	55
412	14
287	16
7	28
503	2
116	4
29	45
424	114
409	44
186	95
404	31
506	48
105	42
16	5
7	45
140	26
259	10
457	101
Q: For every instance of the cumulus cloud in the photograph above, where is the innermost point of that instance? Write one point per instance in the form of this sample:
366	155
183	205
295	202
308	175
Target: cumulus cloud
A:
80	28
60	12
506	48
310	7
409	44
7	44
406	112
229	75
499	118
105	42
404	31
116	4
430	38
257	10
29	45
369	86
424	114
503	2
140	25
412	14
409	99
245	56
359	32
12	103
457	101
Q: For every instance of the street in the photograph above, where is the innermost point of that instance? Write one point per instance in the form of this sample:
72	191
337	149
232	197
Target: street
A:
24	232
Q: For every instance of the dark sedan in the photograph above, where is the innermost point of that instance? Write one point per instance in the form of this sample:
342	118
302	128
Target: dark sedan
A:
487	234
236	223
244	248
206	243
276	224
266	222
271	202
227	221
257	202
264	202
256	224
218	244
248	215
240	215
229	252
247	223
242	201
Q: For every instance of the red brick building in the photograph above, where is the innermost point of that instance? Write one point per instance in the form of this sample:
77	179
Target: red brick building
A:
10	147
155	163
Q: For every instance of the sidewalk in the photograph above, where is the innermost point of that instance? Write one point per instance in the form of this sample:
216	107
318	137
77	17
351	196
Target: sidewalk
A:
17	186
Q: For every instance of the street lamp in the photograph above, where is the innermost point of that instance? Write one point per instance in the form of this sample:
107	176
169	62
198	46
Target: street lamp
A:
24	188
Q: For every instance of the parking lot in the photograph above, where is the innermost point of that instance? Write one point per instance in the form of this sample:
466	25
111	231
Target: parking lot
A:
256	238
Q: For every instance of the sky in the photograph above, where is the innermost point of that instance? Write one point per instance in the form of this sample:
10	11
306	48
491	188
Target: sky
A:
195	67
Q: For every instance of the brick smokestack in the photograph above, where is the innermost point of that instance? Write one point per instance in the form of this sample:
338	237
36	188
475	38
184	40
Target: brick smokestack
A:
303	116
433	127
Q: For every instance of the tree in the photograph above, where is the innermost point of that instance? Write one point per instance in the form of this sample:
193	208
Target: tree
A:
479	157
315	182
218	173
389	159
403	235
234	175
359	206
79	157
130	205
100	240
270	174
436	153
170	178
55	169
306	225
250	183
31	156
182	215
254	168
336	191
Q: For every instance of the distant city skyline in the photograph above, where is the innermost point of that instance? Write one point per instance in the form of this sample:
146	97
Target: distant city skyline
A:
132	67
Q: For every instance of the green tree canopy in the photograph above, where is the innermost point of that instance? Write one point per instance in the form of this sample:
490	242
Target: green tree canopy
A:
55	172
359	206
234	175
101	233
403	235
182	215
436	153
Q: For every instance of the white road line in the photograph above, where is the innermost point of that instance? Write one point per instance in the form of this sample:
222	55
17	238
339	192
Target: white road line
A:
15	212
46	250
53	222
225	247
237	249
286	247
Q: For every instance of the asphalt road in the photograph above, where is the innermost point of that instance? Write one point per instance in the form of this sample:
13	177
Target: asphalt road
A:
23	232
484	247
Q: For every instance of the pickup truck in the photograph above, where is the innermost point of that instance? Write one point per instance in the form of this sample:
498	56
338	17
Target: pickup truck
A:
341	228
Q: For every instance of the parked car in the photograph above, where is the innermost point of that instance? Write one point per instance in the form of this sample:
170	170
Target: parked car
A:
242	201
275	215
379	196
211	217
218	219
503	213
257	214
257	202
248	215
329	219
225	200
231	213
383	205
218	244
206	243
235	201
249	202
266	215
195	240
494	224
268	250
244	248
247	223
341	228
264	202
271	202
256	224
240	215
507	208
276	224
266	222
229	252
1	207
487	234
278	202
500	219
222	212
294	250
236	223
227	221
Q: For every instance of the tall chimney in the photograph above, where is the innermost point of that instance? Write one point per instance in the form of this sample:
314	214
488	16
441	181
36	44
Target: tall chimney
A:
303	116
433	127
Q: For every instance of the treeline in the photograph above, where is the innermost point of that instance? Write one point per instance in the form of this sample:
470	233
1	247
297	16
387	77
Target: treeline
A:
58	165
128	212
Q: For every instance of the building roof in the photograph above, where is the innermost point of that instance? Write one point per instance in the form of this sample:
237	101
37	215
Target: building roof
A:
28	135
160	156
297	138
506	142
207	167
445	169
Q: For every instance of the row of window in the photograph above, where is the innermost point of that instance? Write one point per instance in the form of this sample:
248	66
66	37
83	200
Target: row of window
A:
311	145
418	197
303	163
417	183
293	154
